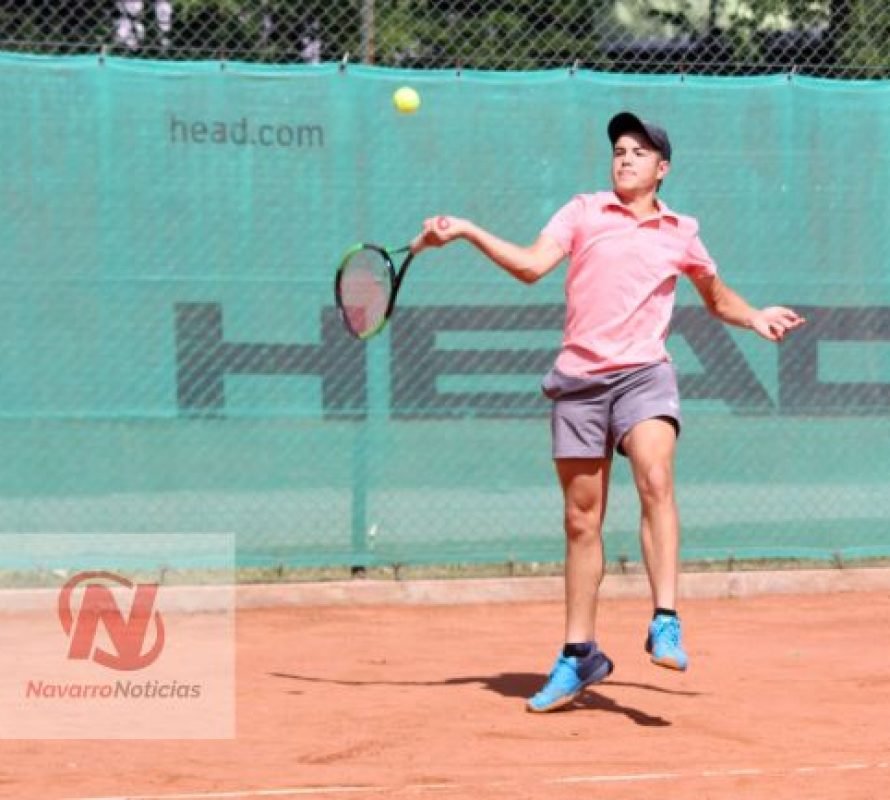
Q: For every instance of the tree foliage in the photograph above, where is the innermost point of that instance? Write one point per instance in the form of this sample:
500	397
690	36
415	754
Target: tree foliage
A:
832	37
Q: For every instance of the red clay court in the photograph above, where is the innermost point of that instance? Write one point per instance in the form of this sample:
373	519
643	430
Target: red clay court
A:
786	697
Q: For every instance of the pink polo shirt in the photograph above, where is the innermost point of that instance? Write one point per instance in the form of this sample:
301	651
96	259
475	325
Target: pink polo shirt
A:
621	281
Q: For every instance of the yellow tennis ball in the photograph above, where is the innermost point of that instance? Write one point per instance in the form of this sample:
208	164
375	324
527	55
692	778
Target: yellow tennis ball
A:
406	100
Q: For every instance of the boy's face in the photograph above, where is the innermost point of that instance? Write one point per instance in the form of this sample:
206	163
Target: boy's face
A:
636	166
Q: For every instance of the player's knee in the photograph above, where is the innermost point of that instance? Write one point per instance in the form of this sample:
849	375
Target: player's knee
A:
582	526
655	484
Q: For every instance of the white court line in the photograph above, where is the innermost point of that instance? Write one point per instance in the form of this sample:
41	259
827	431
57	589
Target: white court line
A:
642	776
300	791
730	773
638	777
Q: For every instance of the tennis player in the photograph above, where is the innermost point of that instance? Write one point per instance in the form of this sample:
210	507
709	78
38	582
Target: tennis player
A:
613	386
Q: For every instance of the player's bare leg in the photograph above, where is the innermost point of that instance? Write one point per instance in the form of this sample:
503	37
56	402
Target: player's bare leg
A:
585	487
650	446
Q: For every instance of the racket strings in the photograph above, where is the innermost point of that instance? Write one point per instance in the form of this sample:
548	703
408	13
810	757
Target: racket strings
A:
365	291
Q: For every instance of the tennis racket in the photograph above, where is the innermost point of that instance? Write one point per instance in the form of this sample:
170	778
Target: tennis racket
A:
366	286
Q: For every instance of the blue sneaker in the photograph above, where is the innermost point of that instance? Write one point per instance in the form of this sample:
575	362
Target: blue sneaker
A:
665	644
567	680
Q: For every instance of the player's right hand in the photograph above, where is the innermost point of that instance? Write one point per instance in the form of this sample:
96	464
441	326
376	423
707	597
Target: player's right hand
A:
441	230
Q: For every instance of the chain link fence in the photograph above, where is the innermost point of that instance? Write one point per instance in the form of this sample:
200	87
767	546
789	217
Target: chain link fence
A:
828	38
171	359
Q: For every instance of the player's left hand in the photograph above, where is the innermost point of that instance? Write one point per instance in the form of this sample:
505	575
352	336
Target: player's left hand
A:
774	322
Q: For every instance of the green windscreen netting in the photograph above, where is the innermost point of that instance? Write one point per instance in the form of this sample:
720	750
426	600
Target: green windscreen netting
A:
171	360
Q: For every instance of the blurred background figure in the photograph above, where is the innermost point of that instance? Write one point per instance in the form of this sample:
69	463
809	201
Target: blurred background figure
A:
130	28
310	44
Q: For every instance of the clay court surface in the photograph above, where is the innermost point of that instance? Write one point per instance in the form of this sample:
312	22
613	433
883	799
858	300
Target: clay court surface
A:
787	697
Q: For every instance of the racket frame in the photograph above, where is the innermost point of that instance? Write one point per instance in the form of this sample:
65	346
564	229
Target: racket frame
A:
395	276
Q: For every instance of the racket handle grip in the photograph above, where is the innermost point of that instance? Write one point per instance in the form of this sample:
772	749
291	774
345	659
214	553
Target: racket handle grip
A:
417	244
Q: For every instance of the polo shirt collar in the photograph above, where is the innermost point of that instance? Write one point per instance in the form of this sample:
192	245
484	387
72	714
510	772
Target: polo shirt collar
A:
611	201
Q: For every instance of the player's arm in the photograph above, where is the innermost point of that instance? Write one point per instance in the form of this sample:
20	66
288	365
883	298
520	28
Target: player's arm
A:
526	264
771	323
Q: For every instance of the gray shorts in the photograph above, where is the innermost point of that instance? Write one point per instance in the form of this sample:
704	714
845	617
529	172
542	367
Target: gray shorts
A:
591	415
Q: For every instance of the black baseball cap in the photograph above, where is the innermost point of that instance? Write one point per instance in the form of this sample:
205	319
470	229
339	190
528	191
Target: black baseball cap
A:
625	122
